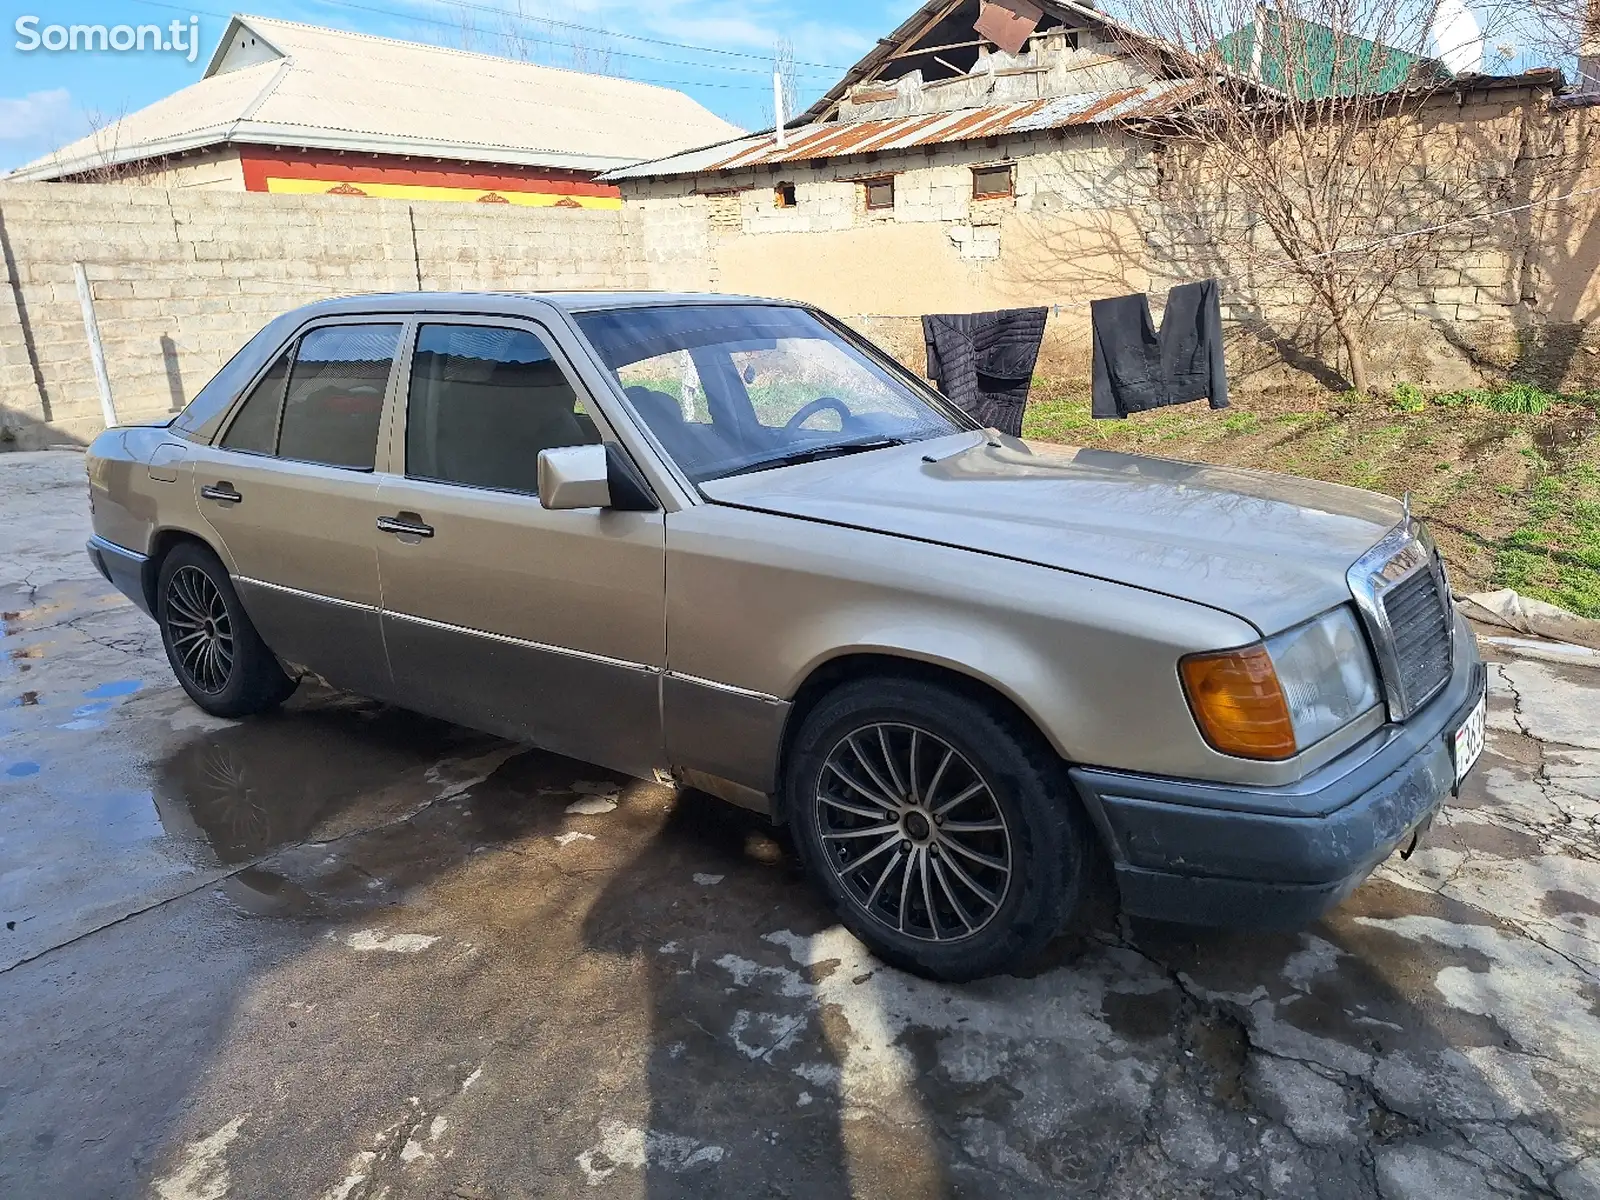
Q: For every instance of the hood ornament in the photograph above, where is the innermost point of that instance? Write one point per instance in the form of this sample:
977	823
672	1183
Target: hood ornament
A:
1405	510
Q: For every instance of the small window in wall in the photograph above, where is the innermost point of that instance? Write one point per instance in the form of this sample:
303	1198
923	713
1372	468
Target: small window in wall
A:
879	193
783	195
989	183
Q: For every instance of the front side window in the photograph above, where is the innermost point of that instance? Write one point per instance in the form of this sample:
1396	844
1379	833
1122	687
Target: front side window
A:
484	400
729	388
255	429
335	397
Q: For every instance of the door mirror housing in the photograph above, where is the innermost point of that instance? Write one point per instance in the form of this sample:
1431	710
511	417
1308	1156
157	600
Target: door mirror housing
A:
596	476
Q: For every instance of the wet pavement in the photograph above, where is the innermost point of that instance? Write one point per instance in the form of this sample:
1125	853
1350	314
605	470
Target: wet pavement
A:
347	952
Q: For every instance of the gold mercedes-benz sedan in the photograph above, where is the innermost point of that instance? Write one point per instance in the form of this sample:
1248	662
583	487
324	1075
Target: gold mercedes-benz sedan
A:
725	541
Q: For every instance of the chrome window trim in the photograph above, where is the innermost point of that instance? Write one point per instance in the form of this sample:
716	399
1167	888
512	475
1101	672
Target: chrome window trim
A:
304	595
1398	555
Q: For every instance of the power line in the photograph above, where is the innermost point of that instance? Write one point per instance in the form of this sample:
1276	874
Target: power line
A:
758	87
634	37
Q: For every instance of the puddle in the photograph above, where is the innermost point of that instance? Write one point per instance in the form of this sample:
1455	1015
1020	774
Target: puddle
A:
120	687
272	780
21	770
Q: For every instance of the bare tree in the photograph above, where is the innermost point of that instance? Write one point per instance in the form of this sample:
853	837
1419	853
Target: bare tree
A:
783	67
1314	156
516	33
105	132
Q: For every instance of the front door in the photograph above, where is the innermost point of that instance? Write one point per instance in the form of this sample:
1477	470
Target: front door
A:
537	625
291	492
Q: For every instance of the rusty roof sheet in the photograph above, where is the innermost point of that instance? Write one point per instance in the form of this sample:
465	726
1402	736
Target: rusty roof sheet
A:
834	139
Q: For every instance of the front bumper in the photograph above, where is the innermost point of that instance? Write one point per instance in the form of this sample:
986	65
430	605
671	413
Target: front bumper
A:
1279	857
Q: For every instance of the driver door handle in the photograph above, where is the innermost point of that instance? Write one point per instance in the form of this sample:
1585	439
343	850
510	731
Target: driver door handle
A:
406	524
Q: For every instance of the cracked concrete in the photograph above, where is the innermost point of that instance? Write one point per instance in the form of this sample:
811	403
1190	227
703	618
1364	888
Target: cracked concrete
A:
348	952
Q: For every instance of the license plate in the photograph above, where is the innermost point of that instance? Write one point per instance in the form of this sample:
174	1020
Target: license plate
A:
1469	737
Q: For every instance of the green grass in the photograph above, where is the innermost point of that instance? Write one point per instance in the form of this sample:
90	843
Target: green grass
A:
1522	399
1241	422
1509	477
1555	554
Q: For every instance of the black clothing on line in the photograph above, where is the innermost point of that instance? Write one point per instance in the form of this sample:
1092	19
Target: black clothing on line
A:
983	362
1137	367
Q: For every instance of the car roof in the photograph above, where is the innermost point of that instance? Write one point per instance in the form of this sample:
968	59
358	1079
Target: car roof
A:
513	302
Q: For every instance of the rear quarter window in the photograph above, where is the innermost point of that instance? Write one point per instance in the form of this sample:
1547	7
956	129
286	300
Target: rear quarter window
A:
203	416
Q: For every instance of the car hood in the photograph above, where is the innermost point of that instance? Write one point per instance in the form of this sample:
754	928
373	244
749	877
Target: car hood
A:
1272	549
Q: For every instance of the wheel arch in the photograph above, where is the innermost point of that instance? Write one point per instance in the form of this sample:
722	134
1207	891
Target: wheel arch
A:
163	543
831	673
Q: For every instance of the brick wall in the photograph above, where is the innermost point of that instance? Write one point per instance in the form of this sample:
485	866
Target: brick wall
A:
181	279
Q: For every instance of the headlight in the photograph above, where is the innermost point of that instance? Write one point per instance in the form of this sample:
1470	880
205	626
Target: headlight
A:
1274	699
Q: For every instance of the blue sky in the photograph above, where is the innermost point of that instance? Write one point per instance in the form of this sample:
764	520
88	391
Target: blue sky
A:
49	98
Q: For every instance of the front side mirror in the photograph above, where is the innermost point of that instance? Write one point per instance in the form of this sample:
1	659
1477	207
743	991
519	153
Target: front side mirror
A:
574	477
596	476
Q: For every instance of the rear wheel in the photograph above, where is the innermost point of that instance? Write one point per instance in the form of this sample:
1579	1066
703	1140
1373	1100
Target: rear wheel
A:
937	825
214	650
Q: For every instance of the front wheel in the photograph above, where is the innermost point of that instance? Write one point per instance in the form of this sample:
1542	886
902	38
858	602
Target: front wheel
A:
215	651
938	826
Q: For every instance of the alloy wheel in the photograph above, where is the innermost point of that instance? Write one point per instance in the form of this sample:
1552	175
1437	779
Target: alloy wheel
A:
913	833
201	632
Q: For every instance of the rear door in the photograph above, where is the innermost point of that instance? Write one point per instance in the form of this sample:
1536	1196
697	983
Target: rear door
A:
538	625
290	489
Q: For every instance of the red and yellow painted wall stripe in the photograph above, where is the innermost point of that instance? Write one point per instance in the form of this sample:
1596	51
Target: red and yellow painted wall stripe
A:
269	169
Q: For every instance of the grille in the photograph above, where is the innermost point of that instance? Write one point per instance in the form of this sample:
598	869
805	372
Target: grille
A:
1419	626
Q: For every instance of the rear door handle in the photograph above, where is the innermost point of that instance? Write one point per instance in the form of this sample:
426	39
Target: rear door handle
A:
222	492
406	523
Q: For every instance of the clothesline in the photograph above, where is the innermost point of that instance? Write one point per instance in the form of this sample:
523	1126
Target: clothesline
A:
1057	307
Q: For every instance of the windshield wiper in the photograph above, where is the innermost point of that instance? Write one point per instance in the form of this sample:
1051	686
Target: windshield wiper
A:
813	453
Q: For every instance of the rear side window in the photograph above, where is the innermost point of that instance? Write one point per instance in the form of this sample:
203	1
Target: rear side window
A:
483	401
255	429
335	397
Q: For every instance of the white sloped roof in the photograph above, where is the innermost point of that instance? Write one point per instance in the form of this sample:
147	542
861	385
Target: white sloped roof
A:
306	86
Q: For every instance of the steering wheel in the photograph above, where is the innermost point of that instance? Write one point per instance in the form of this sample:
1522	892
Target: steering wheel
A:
820	404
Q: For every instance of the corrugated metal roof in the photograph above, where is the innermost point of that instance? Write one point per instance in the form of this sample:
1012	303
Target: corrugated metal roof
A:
833	139
327	88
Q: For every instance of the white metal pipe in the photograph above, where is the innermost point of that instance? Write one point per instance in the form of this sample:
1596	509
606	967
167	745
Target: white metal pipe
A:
97	355
777	107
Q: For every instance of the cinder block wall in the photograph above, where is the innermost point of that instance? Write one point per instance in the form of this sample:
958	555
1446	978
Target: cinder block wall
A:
181	279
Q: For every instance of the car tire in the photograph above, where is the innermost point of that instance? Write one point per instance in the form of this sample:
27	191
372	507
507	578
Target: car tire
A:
961	888
213	649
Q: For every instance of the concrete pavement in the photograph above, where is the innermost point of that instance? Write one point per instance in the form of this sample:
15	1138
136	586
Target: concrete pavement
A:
348	952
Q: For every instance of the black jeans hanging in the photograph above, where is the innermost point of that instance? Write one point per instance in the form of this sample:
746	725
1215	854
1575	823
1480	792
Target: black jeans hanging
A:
1138	367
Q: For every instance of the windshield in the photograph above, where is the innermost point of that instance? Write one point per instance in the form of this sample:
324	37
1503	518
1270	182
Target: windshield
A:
728	388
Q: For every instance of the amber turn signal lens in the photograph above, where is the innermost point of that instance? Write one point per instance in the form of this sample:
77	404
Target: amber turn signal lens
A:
1238	703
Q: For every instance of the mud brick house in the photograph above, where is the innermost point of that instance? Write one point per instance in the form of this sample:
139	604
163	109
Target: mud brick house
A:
990	153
